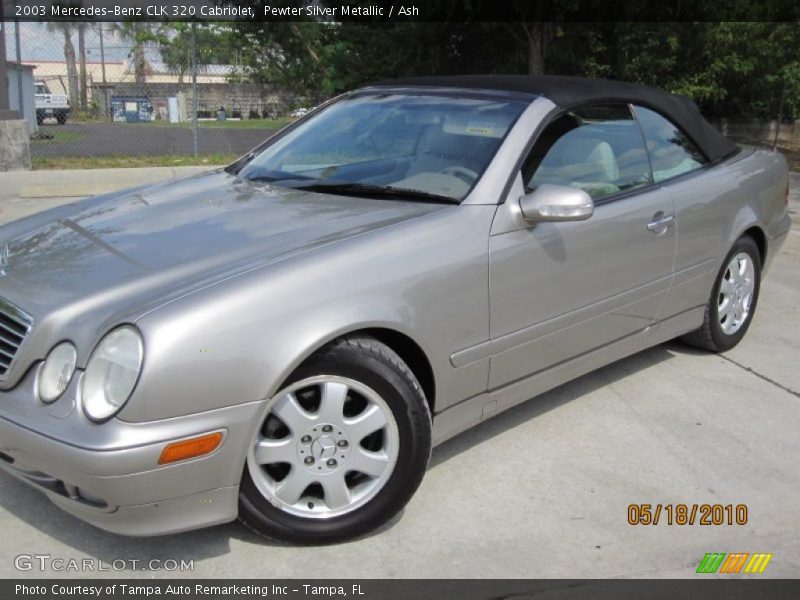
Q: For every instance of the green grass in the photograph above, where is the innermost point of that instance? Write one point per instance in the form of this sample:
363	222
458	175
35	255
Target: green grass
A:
59	137
247	124
111	162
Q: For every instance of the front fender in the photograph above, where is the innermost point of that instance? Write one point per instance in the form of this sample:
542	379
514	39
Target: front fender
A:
238	340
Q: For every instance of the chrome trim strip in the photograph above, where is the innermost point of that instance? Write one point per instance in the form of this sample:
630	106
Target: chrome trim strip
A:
16	313
5	340
528	334
8	329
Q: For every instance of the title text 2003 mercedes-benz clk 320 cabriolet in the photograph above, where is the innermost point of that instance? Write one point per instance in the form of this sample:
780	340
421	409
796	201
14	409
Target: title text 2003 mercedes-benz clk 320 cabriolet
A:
285	339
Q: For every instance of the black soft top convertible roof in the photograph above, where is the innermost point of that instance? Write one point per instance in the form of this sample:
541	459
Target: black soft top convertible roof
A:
572	92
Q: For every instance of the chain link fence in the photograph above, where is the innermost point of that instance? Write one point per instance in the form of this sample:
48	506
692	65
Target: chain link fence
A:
107	95
102	98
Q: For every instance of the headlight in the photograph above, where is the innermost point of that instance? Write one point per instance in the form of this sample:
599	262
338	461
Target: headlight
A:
56	372
112	372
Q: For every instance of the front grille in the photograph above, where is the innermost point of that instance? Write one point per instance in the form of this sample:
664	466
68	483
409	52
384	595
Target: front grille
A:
14	326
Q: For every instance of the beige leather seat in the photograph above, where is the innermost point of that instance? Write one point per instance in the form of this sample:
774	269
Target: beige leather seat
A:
588	163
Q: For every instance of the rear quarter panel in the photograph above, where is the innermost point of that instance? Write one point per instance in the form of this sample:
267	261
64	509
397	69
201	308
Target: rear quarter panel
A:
714	208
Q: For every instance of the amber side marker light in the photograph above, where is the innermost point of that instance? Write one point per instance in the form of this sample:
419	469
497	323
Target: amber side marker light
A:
190	448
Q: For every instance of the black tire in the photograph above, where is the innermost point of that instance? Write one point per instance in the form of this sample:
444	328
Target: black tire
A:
710	335
61	118
374	364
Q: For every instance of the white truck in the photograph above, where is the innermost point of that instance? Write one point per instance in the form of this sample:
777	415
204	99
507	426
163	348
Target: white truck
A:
50	106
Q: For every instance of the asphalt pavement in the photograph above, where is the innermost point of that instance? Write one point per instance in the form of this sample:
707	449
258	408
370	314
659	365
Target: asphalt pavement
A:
542	490
144	139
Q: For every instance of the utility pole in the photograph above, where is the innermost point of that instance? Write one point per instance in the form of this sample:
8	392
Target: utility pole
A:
194	87
103	71
5	113
18	48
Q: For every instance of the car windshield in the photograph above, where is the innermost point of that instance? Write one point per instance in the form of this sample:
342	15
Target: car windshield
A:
390	144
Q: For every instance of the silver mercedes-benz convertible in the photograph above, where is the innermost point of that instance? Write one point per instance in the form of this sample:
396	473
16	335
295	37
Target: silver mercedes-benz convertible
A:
285	339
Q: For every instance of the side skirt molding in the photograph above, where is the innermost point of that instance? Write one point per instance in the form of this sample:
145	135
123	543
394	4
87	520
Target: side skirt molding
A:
470	412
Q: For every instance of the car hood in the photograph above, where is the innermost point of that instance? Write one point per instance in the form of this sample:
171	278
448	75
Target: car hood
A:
165	239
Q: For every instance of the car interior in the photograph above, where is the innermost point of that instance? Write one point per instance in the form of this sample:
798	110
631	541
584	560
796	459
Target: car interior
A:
601	158
414	145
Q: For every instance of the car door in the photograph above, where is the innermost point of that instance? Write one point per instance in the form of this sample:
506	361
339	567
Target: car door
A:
559	290
702	210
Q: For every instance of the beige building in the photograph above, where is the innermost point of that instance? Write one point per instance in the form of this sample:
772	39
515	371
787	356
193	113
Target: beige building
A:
55	74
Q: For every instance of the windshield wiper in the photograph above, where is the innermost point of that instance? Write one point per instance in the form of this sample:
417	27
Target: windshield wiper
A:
272	176
372	191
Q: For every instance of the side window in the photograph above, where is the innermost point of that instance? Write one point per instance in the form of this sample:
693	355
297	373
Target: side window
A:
598	149
671	152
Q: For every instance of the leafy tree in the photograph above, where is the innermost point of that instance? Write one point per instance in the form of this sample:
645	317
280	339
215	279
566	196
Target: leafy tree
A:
215	45
730	66
734	69
138	33
756	68
537	28
290	56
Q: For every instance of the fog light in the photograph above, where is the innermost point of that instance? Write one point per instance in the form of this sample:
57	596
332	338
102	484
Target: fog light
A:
56	372
191	448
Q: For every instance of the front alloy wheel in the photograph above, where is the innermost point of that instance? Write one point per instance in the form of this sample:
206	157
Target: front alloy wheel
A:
327	447
341	448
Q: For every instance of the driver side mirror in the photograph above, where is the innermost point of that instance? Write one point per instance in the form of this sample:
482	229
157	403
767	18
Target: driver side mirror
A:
549	202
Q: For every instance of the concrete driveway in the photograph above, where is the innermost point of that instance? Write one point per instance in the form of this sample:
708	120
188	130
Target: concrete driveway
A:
543	490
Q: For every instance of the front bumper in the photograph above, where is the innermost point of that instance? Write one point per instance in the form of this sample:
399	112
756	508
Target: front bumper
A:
110	477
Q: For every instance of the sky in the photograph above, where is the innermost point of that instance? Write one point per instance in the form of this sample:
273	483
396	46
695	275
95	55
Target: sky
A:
37	43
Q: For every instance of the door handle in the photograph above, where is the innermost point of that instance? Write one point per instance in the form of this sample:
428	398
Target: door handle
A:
661	222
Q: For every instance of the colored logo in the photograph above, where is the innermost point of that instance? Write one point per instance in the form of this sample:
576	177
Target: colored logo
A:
736	562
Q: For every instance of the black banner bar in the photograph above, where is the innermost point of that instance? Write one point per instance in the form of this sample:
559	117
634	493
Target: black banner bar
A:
394	10
404	589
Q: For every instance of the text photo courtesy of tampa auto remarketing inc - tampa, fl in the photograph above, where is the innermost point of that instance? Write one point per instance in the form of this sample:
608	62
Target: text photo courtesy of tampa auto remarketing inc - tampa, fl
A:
437	299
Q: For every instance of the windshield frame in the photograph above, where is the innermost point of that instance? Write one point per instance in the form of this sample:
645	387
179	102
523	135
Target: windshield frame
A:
524	101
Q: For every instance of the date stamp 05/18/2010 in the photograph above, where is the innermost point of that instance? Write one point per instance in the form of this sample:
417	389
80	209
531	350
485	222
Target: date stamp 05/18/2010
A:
687	514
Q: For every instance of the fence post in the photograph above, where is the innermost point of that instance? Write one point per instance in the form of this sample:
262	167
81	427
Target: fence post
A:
106	112
20	93
194	88
5	112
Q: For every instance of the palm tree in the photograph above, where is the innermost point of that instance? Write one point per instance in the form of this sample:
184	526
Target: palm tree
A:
82	58
138	33
66	28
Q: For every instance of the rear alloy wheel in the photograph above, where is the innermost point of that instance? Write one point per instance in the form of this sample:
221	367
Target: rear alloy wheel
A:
733	299
341	448
736	291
